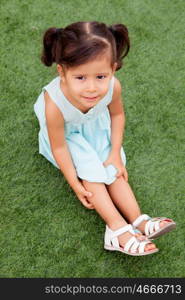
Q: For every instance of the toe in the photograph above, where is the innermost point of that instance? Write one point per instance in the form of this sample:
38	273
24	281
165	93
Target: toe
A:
150	246
163	223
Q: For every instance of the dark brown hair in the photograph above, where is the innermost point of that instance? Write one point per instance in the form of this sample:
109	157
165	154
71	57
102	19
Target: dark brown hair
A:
81	41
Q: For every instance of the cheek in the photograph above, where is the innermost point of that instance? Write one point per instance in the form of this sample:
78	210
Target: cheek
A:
75	88
104	88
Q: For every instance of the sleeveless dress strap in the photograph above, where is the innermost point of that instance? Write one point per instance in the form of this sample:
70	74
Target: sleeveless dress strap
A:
51	88
56	95
110	91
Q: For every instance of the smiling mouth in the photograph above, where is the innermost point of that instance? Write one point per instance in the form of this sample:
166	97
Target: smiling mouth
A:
90	98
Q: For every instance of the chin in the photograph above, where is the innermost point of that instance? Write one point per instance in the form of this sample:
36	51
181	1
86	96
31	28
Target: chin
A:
90	105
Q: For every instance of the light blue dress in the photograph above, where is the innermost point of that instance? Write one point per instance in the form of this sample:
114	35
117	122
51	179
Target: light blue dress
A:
88	135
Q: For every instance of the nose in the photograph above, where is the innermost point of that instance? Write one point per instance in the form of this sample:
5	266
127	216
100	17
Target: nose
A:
91	86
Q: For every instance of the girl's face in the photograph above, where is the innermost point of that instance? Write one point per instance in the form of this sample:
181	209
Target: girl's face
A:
87	84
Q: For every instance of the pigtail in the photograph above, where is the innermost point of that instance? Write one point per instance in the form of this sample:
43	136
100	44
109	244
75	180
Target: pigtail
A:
49	53
120	33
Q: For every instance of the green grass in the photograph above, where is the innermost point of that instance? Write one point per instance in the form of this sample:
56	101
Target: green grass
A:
45	231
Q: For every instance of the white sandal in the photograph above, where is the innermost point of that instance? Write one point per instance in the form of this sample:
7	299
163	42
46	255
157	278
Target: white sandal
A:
152	227
133	247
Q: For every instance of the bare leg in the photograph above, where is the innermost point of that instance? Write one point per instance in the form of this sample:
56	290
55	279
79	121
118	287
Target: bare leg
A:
123	197
106	209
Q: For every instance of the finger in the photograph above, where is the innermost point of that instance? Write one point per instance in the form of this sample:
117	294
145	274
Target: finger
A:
84	199
88	194
90	206
86	203
106	163
119	173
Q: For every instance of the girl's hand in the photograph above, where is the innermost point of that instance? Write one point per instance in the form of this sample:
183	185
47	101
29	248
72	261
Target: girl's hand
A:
115	160
83	195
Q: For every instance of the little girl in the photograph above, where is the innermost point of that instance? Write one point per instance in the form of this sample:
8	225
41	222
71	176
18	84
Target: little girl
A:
82	121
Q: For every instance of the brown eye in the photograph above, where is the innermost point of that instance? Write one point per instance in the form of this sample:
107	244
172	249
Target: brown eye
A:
80	77
101	76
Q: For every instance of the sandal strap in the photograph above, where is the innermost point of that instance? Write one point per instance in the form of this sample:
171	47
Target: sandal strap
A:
140	219
121	230
153	225
142	246
134	244
111	236
130	244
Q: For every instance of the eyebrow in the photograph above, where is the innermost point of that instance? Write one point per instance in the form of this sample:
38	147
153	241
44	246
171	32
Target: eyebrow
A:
100	73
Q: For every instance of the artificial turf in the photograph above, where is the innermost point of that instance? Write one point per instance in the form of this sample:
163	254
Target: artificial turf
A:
45	231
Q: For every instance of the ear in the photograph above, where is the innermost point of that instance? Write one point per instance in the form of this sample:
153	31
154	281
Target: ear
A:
60	70
114	67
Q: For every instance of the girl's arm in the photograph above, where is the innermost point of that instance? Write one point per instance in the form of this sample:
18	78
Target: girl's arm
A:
117	118
60	151
59	148
117	129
